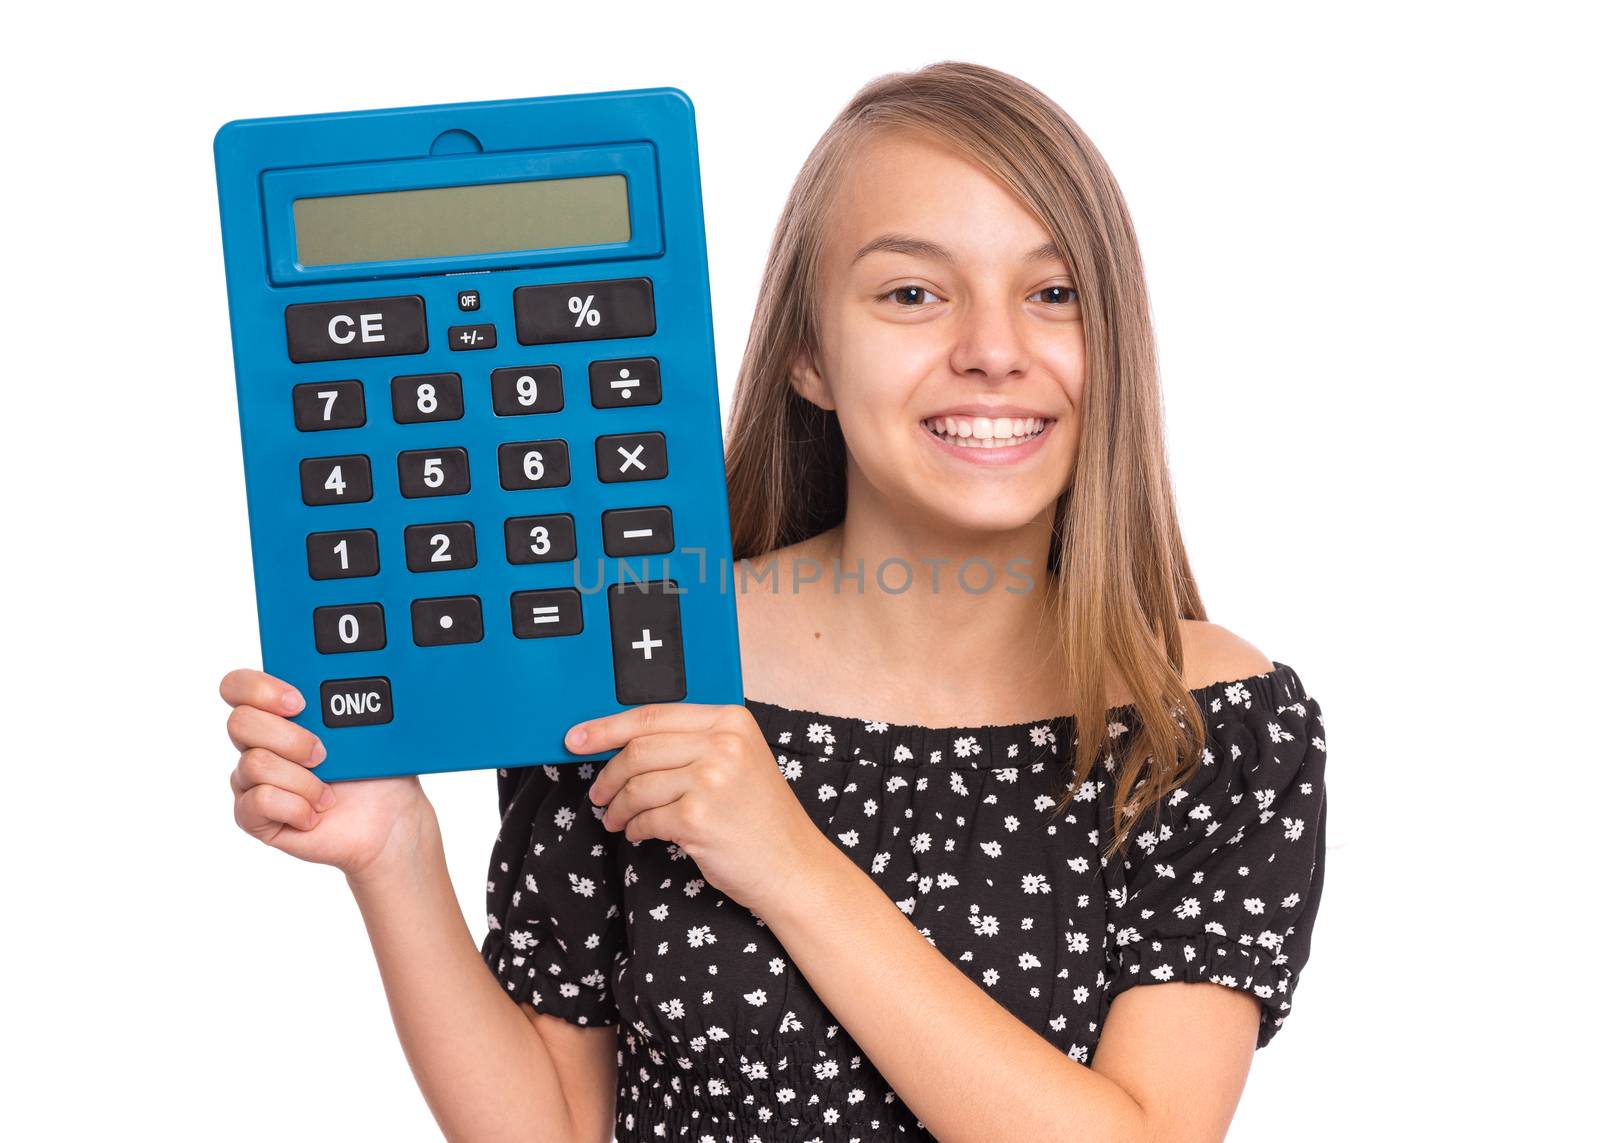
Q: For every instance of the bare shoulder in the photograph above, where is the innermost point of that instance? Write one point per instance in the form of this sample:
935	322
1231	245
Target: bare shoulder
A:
1213	654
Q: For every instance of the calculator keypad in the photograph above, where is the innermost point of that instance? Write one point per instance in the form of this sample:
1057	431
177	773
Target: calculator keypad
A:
441	547
533	389
434	472
426	397
534	464
631	456
540	614
351	627
342	555
329	405
448	620
335	480
646	627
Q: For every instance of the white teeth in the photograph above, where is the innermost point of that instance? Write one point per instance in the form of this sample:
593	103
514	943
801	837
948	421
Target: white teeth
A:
986	432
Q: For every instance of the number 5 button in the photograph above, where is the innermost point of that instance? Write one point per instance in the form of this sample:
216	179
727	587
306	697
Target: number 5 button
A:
434	472
631	456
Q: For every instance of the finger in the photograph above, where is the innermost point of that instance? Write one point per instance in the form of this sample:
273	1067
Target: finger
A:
249	726
246	687
264	808
643	792
660	822
614	730
259	767
650	752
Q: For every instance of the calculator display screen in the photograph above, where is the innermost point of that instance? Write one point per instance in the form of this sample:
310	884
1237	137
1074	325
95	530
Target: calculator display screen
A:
448	222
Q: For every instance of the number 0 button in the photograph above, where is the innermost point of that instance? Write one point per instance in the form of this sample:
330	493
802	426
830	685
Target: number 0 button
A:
335	479
434	472
351	627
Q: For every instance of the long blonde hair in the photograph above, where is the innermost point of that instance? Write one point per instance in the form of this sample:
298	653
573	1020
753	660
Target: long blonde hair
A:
1116	555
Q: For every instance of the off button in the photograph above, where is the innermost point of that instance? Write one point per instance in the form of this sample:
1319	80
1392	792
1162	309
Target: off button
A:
356	702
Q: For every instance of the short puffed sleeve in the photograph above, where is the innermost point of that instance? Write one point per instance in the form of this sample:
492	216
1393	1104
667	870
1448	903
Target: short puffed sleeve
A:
554	896
1222	880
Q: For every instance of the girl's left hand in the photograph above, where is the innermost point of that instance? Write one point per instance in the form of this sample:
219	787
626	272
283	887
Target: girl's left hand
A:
704	778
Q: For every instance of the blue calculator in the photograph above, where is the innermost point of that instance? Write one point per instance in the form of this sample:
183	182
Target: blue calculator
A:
478	404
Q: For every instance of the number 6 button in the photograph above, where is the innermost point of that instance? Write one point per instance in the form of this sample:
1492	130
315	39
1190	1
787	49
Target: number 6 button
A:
534	464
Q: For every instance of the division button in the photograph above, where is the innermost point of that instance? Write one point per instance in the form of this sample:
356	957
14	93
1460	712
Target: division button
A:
450	619
537	614
370	327
441	547
342	555
349	627
426	397
434	472
329	405
630	456
356	702
630	381
335	480
472	337
534	464
526	389
585	311
541	539
646	642
637	531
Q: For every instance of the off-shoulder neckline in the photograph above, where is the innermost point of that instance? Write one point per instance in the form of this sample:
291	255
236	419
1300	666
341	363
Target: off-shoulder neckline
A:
839	735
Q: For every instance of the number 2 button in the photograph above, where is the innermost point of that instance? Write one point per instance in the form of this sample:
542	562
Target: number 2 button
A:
441	547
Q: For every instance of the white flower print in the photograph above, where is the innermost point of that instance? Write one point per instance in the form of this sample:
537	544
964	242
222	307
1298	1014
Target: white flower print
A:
966	747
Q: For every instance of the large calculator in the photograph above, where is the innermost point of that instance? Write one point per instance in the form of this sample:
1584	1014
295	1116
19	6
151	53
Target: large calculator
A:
482	439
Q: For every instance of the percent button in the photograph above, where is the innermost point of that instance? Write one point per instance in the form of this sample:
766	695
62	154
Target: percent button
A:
585	311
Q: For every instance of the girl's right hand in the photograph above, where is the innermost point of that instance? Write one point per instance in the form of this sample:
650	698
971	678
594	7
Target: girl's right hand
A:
355	825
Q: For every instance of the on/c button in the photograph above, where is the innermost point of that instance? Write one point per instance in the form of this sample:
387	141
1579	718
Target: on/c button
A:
356	702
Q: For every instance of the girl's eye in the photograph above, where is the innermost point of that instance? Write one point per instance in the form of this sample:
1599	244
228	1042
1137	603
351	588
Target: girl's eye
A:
1056	295
912	295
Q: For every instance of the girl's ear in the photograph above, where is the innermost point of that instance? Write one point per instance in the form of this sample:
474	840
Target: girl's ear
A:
808	382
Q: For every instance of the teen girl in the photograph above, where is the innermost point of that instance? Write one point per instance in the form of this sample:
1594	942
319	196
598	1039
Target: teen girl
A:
899	893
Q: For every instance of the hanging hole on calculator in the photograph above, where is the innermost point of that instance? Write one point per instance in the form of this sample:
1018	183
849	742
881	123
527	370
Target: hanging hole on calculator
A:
455	143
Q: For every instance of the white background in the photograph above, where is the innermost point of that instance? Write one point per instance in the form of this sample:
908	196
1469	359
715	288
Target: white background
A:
1370	238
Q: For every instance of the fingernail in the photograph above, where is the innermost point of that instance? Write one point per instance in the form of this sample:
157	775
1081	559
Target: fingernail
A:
293	701
577	736
327	798
318	752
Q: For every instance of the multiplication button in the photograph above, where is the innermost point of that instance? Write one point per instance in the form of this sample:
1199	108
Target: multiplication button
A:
630	456
637	531
537	614
356	702
646	642
447	620
619	384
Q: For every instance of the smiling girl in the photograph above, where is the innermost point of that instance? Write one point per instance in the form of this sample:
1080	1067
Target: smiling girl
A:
1008	841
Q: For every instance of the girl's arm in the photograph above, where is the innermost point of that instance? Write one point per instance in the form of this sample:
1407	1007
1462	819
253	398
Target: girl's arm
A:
484	1067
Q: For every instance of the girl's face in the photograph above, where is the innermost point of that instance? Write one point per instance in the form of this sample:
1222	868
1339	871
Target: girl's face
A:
951	341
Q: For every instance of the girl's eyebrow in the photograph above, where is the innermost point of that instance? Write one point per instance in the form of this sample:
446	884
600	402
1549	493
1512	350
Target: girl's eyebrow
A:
921	248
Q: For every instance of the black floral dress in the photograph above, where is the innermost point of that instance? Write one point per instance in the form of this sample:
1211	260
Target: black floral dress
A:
721	1040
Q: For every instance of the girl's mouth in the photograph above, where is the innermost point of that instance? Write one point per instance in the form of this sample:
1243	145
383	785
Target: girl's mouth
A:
987	432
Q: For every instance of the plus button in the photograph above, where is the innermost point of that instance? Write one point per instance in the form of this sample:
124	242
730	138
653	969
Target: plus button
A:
645	643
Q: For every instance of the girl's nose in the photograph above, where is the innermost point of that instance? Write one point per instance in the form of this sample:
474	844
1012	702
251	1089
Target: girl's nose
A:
989	343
